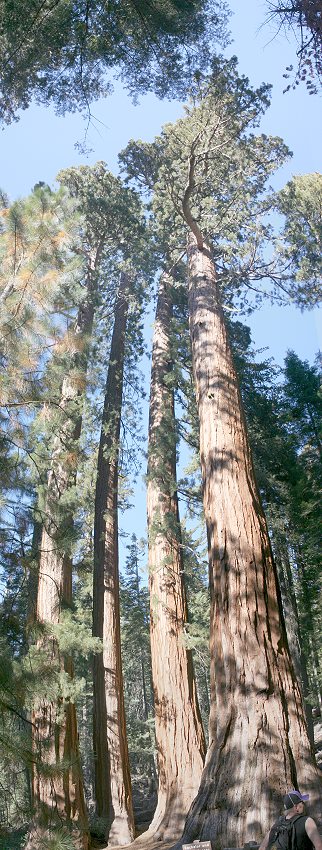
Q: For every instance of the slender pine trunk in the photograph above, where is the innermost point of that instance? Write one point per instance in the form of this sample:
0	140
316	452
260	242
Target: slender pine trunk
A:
258	737
179	734
112	772
142	659
310	627
57	781
293	631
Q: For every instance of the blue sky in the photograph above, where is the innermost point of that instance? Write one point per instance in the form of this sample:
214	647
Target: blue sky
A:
40	144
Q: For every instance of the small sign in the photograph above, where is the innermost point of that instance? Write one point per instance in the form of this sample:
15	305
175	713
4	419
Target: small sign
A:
198	845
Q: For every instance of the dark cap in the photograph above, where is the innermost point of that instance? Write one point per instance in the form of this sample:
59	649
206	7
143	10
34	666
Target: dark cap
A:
292	798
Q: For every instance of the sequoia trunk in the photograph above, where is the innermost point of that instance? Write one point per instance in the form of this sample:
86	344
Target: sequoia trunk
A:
179	733
259	744
112	772
57	781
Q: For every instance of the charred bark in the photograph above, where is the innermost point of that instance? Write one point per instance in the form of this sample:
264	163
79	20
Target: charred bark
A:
57	781
179	733
112	772
258	737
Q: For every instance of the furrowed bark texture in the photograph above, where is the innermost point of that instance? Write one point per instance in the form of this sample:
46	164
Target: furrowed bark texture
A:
58	794
112	773
179	733
259	744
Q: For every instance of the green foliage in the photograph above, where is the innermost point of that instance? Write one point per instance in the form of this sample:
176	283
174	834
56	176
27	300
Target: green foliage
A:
300	203
15	741
209	174
197	629
58	839
74	636
64	52
134	602
302	409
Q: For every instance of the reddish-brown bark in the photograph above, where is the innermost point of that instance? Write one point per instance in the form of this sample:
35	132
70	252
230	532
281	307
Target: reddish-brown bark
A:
112	772
259	745
58	793
179	734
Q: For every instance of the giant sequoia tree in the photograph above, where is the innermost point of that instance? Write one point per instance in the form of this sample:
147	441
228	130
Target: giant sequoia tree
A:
179	734
210	182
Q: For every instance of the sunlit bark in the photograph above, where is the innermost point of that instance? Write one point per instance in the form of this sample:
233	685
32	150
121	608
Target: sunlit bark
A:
258	736
179	734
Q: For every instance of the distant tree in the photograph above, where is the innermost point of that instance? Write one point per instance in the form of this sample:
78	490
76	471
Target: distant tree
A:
300	204
302	394
136	655
66	52
302	408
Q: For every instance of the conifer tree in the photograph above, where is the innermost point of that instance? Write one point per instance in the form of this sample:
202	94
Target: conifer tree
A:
301	400
65	53
58	790
136	654
301	244
179	734
208	175
112	772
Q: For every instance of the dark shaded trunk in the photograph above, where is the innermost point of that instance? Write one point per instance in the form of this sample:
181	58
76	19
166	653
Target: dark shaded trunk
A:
258	737
292	624
112	772
179	733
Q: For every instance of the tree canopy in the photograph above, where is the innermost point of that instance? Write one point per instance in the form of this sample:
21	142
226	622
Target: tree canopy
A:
66	52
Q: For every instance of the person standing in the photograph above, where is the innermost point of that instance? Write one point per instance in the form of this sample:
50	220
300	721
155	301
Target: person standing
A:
294	820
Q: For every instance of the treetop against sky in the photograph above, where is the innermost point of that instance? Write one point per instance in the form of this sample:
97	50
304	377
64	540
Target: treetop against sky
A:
41	143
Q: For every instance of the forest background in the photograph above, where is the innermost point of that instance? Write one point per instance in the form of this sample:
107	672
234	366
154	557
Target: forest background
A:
41	144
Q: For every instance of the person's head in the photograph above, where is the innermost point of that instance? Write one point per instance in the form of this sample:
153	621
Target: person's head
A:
294	802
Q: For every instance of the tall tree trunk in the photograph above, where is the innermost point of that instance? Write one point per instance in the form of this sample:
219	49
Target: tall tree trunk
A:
179	733
112	772
57	780
259	745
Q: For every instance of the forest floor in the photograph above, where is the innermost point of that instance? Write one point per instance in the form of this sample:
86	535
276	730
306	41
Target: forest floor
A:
14	839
